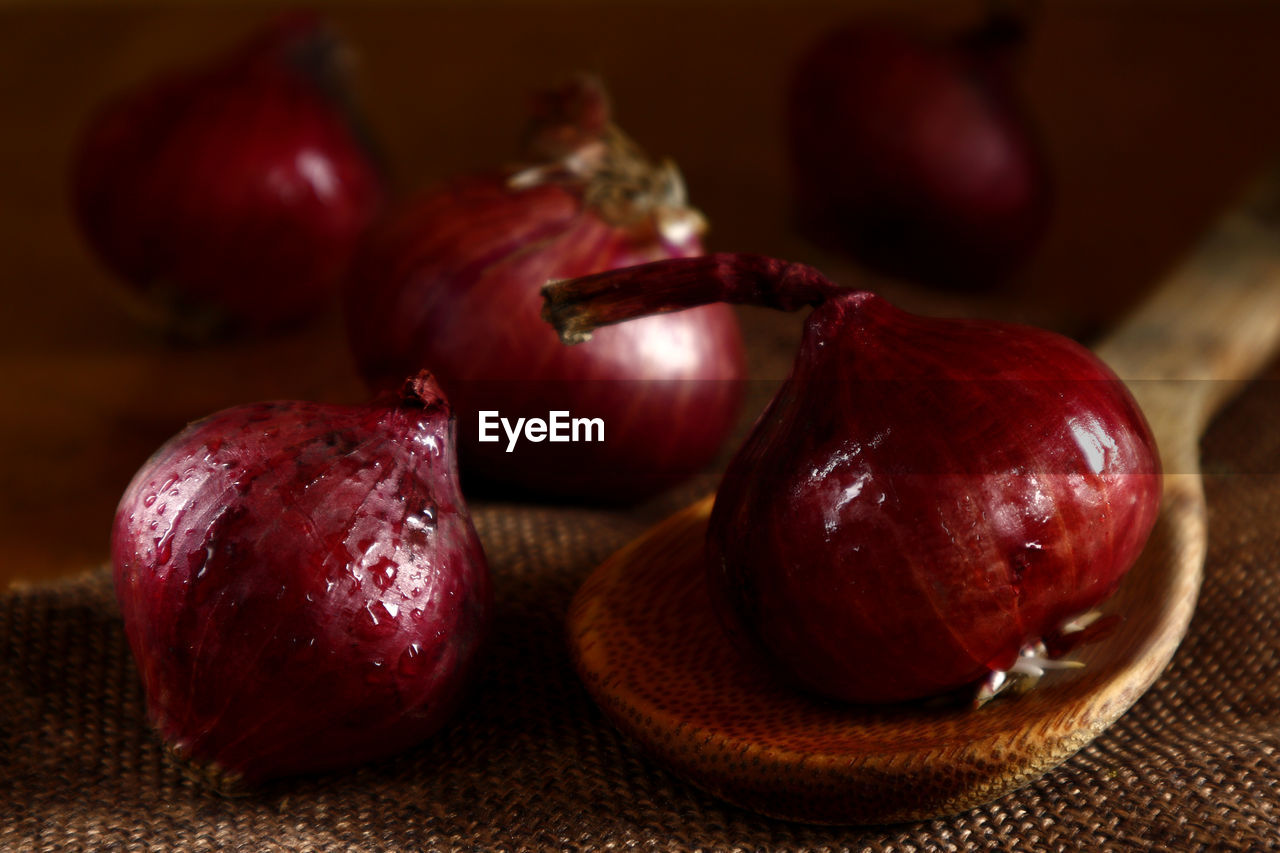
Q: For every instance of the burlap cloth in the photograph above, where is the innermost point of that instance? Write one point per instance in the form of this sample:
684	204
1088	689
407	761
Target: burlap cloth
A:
531	764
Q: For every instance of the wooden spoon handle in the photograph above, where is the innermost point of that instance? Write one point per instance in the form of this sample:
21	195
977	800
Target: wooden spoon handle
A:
1212	325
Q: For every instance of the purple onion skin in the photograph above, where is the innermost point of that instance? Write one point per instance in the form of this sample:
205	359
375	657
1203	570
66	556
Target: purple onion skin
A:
916	156
922	499
232	195
301	585
452	284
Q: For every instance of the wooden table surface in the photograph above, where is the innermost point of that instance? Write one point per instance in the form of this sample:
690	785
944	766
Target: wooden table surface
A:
1153	113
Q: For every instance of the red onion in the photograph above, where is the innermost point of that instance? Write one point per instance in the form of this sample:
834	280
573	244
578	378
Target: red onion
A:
924	502
232	195
451	283
916	156
301	584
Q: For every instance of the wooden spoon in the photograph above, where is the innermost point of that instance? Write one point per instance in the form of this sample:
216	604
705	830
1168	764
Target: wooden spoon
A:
649	648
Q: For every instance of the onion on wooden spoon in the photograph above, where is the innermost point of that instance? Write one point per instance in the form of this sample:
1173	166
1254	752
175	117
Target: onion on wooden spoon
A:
647	643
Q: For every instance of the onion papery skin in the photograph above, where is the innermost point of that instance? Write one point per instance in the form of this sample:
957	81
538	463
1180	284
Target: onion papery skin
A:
232	195
451	283
917	156
925	498
301	585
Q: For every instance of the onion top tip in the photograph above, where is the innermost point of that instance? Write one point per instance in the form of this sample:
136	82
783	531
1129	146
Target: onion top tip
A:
558	309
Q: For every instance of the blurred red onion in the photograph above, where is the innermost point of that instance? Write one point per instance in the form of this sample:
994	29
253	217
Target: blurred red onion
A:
916	155
451	283
233	194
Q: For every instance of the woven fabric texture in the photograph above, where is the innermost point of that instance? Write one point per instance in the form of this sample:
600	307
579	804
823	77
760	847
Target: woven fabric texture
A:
532	765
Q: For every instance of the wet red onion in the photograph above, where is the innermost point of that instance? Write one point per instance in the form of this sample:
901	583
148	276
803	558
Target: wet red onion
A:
301	585
232	195
924	502
451	283
917	155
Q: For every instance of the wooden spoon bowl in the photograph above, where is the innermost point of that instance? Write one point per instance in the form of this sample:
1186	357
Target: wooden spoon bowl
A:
648	646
